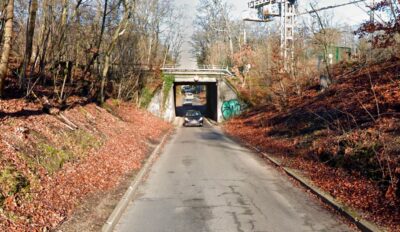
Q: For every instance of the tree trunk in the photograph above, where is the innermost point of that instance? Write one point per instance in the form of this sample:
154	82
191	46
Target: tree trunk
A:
64	16
30	31
150	50
156	45
100	40
2	19
166	55
44	37
8	31
117	33
60	46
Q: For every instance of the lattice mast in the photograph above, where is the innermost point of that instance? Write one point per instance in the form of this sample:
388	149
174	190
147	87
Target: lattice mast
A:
287	23
285	10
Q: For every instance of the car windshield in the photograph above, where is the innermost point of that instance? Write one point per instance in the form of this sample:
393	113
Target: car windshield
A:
193	113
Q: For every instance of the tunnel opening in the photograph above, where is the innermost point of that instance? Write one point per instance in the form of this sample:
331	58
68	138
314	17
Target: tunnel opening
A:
196	96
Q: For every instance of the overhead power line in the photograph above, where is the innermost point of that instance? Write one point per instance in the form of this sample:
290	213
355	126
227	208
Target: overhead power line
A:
330	7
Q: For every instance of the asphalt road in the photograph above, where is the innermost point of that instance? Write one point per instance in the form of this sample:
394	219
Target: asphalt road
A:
205	182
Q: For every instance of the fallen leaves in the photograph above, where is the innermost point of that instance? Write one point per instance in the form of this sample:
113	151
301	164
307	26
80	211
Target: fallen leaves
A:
113	145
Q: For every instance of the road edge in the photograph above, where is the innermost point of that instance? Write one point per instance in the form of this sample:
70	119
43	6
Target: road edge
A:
352	215
115	216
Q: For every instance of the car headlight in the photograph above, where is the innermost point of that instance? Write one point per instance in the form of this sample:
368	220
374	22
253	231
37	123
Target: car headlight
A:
201	119
186	119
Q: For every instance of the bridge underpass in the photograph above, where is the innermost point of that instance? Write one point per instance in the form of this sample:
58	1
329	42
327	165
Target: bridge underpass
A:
211	103
205	99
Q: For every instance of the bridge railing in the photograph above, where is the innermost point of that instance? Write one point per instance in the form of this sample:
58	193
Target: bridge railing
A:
216	67
170	66
208	67
204	69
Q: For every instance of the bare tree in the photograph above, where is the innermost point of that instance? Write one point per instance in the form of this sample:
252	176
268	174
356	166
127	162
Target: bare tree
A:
100	38
122	26
212	29
174	38
64	40
324	41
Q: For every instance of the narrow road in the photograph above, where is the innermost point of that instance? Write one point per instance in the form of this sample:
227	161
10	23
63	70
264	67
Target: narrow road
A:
205	182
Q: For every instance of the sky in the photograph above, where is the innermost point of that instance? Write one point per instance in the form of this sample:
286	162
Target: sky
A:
351	15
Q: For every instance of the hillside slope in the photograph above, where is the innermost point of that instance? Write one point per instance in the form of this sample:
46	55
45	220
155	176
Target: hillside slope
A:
50	164
345	139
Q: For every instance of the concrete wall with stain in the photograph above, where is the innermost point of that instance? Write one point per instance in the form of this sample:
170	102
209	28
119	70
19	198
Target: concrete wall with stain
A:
164	109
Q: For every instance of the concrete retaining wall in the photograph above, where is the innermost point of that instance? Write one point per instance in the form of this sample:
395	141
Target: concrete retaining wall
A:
165	111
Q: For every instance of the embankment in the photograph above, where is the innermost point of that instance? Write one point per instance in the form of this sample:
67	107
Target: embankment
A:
49	164
345	139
